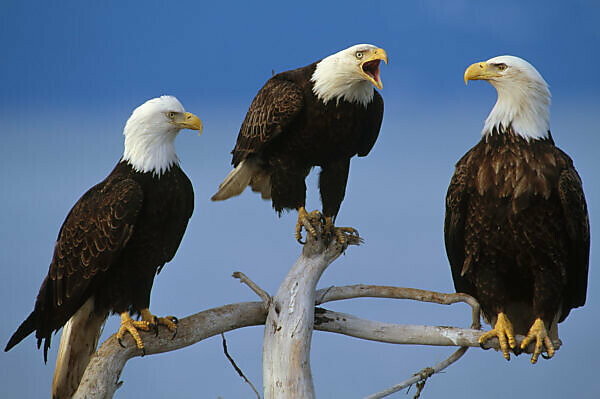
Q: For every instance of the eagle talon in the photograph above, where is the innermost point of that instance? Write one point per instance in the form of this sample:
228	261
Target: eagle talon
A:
304	220
503	330
343	235
154	325
538	333
131	326
120	342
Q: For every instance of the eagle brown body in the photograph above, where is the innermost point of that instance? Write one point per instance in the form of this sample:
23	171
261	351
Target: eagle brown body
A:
288	130
114	240
321	115
517	230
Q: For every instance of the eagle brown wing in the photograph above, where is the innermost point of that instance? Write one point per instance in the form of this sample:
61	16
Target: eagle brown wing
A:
574	206
274	107
92	236
371	125
454	226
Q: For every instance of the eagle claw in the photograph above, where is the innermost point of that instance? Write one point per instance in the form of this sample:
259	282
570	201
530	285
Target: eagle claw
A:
306	220
538	333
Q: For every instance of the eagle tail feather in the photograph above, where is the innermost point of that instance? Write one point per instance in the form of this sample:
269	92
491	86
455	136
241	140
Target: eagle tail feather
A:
78	343
26	328
236	181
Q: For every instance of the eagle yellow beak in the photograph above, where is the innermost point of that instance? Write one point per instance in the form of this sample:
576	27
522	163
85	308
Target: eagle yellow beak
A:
480	71
189	121
370	66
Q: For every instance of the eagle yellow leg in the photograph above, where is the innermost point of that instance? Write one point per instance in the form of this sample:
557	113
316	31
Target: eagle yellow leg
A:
304	220
342	234
540	334
505	333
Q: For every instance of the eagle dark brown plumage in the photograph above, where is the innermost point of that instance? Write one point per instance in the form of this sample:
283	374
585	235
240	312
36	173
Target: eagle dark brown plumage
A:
516	227
294	125
113	242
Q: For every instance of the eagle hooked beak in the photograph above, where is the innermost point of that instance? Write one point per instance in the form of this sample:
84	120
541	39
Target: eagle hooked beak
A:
481	71
188	120
370	66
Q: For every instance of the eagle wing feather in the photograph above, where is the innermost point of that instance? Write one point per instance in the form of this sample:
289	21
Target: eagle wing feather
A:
574	206
275	106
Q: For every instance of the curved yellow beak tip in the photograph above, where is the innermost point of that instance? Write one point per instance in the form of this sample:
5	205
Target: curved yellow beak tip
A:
193	122
382	55
477	71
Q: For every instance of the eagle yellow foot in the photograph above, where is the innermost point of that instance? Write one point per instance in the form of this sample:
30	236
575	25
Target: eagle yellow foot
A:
306	220
149	322
132	326
169	321
343	235
540	334
503	330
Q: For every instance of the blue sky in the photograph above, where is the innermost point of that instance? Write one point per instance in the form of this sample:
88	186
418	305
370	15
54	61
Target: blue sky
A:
72	72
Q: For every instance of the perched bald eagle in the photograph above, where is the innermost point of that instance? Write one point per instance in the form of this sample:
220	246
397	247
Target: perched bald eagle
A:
319	115
118	235
516	229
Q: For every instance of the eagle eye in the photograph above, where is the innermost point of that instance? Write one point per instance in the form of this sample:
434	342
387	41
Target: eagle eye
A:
501	67
171	115
359	54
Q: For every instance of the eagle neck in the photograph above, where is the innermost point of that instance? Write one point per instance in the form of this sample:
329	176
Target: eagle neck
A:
525	107
330	82
152	152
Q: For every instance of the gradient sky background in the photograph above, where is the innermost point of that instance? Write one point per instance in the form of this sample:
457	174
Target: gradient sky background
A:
72	72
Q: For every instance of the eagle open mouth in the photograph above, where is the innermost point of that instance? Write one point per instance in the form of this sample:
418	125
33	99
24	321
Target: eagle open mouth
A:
371	69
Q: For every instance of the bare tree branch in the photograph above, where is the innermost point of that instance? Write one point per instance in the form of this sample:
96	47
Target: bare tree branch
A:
290	319
101	378
264	295
405	334
378	291
421	376
235	366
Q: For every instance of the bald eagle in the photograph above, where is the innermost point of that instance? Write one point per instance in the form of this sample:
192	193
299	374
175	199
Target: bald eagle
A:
117	236
318	115
516	229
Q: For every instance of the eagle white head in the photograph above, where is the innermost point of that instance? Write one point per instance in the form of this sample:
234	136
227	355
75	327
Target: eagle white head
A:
523	96
349	74
150	134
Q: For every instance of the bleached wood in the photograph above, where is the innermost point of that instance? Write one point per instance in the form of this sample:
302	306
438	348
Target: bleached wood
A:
289	325
422	375
406	334
101	378
378	291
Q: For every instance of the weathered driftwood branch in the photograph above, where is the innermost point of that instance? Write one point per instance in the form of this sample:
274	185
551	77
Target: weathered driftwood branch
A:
421	376
405	334
235	366
377	291
290	319
262	294
101	378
